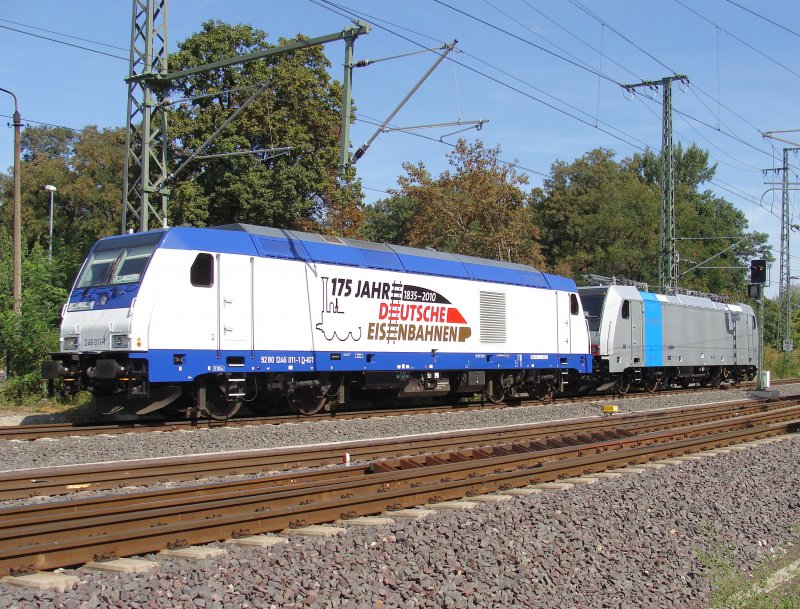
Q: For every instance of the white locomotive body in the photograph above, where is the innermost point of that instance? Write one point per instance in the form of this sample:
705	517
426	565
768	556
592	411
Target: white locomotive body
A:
217	317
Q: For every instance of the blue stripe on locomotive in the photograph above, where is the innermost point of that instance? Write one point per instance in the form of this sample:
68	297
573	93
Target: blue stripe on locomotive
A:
653	330
164	368
292	246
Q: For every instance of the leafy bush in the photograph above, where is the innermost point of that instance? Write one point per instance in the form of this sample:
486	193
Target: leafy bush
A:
781	365
22	390
27	337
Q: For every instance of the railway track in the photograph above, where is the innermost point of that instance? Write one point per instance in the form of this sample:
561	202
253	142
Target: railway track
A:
60	480
56	430
55	534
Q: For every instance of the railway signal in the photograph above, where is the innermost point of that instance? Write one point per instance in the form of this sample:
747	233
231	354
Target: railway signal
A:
758	272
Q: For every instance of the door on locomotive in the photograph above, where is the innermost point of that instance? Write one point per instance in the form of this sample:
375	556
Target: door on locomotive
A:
235	302
564	321
623	308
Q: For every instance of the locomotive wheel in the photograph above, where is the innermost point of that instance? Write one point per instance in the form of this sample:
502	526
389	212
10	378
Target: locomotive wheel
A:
650	384
541	391
217	406
623	385
306	402
497	393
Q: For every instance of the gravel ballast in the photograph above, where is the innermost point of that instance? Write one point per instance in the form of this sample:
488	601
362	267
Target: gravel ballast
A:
89	449
642	540
636	541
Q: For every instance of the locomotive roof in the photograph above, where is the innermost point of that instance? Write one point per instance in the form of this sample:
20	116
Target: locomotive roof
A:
634	293
311	247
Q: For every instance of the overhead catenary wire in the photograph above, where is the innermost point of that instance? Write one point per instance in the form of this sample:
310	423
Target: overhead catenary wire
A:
621	35
603	22
581	40
40	29
760	16
69	44
626	140
374	121
742	167
537	34
735	37
692	88
44	124
528	42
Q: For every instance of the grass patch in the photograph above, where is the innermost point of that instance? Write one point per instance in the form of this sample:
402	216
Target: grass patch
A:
77	408
737	589
781	365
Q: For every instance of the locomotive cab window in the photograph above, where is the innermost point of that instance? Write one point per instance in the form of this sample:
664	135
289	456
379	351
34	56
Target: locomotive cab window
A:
574	309
202	272
593	309
626	309
117	261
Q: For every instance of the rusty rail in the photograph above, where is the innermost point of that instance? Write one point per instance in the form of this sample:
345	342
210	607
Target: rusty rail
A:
33	538
103	476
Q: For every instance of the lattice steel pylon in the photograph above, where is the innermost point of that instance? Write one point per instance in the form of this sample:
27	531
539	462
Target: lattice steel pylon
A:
668	260
784	287
146	137
146	170
667	251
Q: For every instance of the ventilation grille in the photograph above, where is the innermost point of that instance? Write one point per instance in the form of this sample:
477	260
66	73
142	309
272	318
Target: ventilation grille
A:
332	239
493	317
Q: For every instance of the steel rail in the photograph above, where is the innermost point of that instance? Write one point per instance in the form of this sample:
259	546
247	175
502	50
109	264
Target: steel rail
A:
152	525
110	504
102	476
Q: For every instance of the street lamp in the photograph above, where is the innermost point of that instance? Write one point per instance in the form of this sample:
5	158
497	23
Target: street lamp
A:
50	188
17	239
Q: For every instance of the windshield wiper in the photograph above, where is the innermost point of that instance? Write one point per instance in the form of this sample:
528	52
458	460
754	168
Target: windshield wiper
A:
112	268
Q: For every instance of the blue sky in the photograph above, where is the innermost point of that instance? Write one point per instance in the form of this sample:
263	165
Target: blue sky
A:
533	68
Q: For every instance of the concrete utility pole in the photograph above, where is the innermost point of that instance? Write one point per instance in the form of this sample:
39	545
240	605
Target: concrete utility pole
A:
147	173
667	252
16	293
51	189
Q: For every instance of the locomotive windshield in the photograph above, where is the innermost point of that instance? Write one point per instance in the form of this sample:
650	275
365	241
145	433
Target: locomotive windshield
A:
118	261
593	309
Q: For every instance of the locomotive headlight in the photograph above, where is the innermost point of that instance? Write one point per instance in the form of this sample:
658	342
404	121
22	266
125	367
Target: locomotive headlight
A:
120	341
70	343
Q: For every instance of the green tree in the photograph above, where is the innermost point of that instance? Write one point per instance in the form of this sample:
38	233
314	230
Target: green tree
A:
708	228
299	109
389	220
27	337
86	168
597	217
478	208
